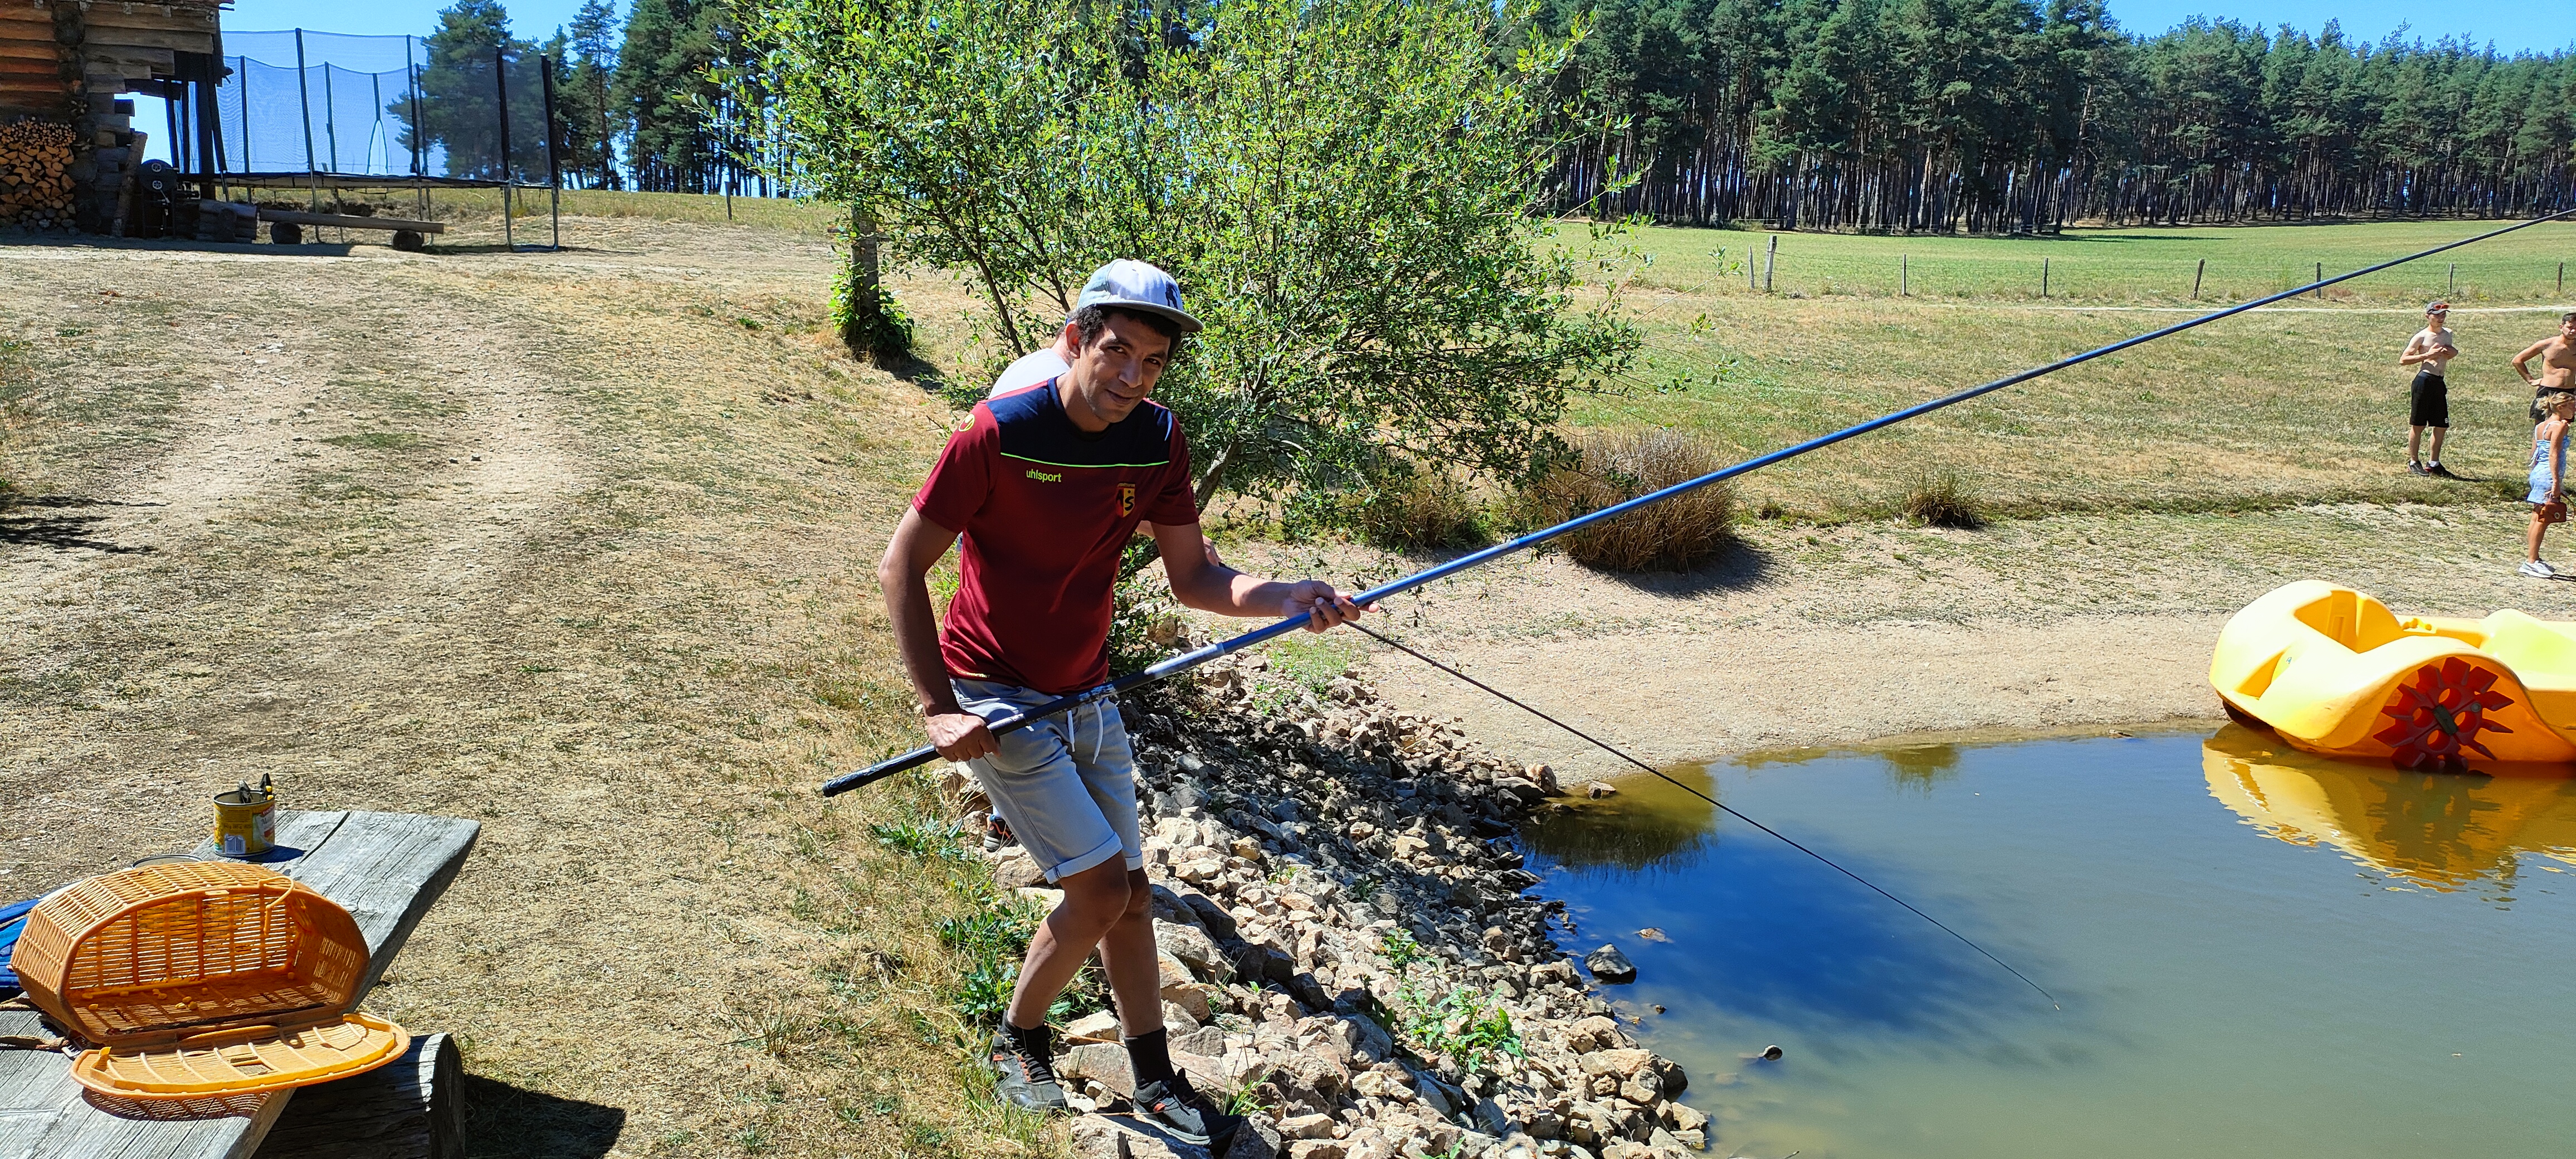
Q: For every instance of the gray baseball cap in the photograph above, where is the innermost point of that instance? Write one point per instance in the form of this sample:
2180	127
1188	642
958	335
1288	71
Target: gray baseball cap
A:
1133	285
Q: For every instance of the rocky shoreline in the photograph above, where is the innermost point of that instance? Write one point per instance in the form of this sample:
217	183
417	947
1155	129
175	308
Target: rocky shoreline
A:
1347	943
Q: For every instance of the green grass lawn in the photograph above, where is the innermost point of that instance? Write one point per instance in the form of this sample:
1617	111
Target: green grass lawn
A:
2146	266
2296	403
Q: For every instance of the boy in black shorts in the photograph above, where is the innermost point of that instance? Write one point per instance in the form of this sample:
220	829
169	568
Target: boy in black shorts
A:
2429	397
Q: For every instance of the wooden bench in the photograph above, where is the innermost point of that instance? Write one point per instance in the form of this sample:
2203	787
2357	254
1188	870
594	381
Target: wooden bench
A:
387	869
408	235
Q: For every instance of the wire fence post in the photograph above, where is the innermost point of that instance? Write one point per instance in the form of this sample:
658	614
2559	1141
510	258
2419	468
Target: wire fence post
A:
2043	277
554	158
1767	258
2321	276
1752	274
2196	272
2562	277
501	86
1904	276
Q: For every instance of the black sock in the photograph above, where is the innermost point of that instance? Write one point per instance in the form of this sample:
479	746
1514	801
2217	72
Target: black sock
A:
1036	1048
1149	1057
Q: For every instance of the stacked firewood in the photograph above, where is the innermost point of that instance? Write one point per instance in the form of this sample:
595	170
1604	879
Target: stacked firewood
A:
35	174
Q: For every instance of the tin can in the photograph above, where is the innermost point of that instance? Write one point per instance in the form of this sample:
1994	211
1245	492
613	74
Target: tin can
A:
245	821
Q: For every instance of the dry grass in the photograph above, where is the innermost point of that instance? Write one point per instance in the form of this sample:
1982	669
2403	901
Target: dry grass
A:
1941	498
1614	467
564	546
1430	509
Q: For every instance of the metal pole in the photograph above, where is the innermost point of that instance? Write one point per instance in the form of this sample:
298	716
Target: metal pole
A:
2455	280
304	100
2043	277
376	91
1904	274
2321	277
2196	272
1187	661
554	158
241	68
2562	277
501	85
1768	258
411	76
330	119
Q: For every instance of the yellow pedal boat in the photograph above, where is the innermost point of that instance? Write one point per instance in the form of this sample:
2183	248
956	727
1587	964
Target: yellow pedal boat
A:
2333	671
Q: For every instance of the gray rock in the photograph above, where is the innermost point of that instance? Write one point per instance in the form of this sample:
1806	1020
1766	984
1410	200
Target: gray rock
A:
1609	965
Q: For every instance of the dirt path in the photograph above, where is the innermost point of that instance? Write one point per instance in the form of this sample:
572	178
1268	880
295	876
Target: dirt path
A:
574	544
1819	636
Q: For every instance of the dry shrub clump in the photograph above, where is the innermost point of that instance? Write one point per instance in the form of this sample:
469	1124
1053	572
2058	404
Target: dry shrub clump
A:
1942	499
1614	466
1426	509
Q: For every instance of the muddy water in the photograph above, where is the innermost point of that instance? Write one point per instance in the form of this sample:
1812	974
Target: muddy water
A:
2258	952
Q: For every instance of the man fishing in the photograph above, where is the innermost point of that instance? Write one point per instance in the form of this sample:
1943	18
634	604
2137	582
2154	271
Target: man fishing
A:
1044	486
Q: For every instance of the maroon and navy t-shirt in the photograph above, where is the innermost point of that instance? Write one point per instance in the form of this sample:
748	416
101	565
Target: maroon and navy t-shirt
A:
1043	510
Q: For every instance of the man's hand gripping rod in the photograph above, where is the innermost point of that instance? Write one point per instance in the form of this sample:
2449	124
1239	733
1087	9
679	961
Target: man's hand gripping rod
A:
1189	660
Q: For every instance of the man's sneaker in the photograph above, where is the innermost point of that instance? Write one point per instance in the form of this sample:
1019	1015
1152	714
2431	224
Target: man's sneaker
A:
2538	570
1026	1083
997	834
2436	468
1175	1107
2414	468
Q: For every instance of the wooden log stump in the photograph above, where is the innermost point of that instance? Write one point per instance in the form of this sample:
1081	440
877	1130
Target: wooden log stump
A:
411	1108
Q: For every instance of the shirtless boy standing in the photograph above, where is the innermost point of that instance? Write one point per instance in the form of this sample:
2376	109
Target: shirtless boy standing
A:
2430	352
2557	355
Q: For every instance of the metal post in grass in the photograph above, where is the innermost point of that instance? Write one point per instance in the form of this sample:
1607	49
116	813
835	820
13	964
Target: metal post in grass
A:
1767	258
2043	277
2196	272
1903	276
2562	277
2455	281
2321	276
501	86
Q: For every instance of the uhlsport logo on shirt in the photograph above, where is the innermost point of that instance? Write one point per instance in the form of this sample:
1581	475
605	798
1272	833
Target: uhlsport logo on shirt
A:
1046	476
1126	500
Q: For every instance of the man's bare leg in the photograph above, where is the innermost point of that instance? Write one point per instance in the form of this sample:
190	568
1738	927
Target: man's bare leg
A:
2438	432
1135	969
1094	900
2415	445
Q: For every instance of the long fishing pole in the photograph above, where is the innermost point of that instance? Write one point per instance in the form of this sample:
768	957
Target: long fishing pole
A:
1188	660
1607	747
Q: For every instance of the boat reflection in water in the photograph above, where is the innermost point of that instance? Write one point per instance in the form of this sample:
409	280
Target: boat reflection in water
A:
2443	831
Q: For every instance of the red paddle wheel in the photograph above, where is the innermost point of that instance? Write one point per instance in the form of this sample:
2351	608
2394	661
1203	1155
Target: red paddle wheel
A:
2436	719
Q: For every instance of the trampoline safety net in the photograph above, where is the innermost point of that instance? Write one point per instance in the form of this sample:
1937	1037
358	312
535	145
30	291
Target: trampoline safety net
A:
325	102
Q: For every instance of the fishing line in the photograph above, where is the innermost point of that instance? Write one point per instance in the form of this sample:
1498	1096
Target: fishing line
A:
1731	811
1186	661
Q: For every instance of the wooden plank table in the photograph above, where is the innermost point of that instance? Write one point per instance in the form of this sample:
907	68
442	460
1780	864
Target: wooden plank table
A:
386	868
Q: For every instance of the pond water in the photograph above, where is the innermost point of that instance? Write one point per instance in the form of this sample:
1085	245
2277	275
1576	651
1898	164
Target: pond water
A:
2258	952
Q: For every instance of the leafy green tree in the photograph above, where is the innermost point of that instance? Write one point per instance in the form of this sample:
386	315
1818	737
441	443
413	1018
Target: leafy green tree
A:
1346	187
590	117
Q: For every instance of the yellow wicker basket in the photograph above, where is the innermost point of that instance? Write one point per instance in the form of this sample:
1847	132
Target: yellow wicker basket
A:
203	979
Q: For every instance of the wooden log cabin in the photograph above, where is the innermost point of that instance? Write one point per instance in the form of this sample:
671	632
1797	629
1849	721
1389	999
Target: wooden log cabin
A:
66	64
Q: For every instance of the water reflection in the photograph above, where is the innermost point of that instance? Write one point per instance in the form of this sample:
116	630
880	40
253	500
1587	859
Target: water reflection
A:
1922	766
2443	831
1649	822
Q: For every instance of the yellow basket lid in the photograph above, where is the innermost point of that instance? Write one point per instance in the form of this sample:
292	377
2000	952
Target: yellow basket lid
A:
243	1060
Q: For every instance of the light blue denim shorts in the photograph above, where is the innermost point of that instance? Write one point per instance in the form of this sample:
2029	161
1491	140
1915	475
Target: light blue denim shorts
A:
1066	784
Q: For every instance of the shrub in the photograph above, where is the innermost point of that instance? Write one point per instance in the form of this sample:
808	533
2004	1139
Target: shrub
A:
1612	467
1422	509
1941	499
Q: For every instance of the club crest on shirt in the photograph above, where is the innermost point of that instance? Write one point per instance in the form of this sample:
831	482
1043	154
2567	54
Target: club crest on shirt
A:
1126	500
